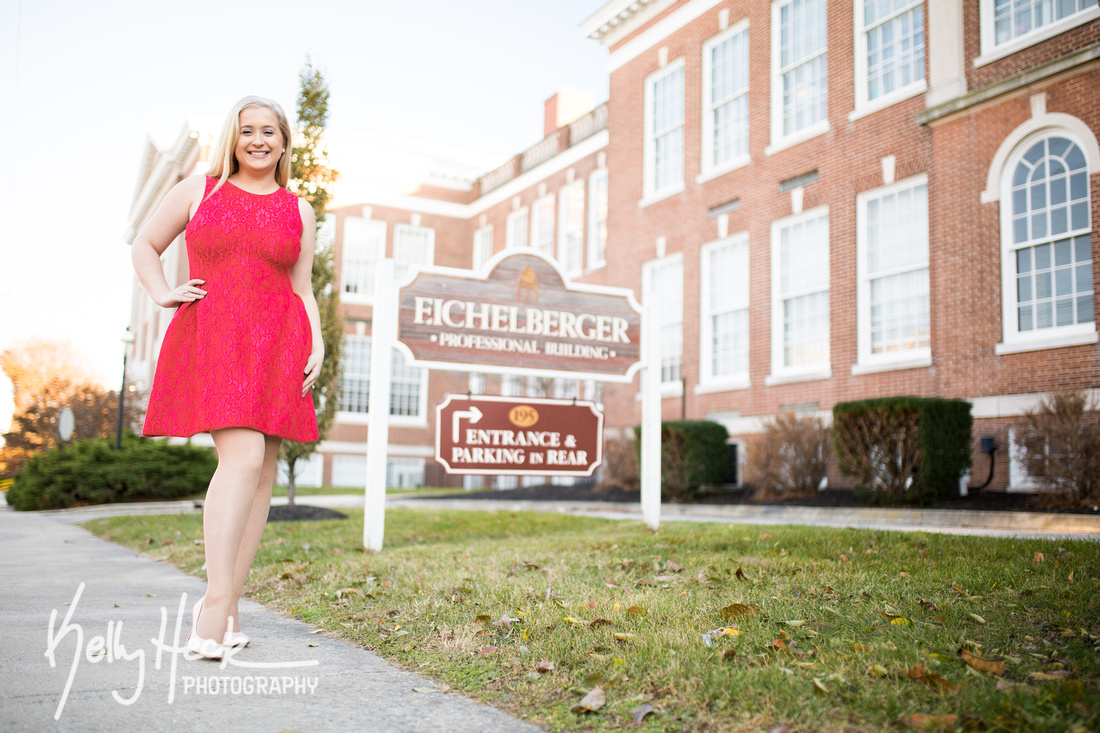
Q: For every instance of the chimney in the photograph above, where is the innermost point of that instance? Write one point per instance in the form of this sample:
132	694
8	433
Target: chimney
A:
565	107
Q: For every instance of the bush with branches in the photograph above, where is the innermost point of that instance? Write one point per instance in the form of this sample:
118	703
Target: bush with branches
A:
791	456
904	449
620	464
1059	446
694	453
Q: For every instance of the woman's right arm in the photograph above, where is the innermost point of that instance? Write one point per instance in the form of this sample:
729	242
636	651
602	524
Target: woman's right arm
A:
170	219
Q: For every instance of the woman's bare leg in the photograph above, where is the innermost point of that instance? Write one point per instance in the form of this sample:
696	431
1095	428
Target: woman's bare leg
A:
257	520
225	518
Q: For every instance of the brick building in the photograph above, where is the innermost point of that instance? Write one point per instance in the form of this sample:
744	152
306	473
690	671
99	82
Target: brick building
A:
829	201
842	200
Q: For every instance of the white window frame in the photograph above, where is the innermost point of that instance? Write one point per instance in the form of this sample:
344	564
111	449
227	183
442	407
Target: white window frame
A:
1057	336
400	467
364	287
571	234
866	361
597	218
402	260
1019	480
708	380
781	373
709	169
543	214
666	316
650	192
515	231
344	466
483	246
991	51
357	417
865	105
779	139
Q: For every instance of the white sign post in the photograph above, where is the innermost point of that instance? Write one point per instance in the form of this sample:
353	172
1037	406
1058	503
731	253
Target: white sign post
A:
383	320
561	323
651	418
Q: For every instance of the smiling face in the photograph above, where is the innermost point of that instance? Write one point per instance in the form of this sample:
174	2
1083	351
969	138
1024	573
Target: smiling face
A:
260	143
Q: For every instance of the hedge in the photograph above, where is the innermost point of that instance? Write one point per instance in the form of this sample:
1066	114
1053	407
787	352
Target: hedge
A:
694	453
92	472
904	449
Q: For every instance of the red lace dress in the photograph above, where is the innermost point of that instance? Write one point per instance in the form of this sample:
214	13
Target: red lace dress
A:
237	357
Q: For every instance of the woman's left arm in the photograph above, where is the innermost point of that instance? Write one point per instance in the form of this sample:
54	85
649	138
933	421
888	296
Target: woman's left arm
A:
301	279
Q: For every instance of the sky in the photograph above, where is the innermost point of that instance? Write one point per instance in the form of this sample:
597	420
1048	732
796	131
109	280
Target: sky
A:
83	84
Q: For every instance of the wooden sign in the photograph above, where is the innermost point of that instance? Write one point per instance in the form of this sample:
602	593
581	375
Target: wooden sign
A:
524	317
489	435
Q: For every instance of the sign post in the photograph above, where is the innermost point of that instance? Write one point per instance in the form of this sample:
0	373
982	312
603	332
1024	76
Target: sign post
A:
521	316
378	437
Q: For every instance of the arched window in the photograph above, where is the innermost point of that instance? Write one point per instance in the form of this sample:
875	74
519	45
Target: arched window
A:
1047	242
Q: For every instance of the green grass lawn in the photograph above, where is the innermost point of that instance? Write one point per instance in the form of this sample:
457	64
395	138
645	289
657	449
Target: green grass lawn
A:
714	627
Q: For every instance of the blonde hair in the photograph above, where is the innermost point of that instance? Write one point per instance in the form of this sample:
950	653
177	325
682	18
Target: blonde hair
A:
223	162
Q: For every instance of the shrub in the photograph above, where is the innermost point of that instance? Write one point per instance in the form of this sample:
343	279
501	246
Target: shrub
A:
904	449
791	456
620	463
693	453
1060	447
92	472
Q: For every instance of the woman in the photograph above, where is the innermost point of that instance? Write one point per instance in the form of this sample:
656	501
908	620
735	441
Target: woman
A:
245	332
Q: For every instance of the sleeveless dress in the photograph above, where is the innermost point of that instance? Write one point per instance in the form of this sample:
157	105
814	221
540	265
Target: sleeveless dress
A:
237	357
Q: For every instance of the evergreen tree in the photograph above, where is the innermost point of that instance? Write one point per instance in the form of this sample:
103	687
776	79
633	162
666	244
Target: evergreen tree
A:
312	179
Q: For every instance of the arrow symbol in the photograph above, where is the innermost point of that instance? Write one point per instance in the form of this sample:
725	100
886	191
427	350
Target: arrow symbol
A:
473	414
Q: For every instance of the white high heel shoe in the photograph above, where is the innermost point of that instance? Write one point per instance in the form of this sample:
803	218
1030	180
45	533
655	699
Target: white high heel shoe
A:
235	639
207	648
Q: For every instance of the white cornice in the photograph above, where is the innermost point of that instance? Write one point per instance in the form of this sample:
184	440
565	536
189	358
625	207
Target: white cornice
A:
171	164
618	19
558	163
658	32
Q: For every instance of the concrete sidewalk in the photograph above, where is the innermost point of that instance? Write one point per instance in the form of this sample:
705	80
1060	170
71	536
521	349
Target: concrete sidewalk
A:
47	565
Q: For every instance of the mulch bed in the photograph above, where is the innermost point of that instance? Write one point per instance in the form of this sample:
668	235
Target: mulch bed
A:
985	501
299	512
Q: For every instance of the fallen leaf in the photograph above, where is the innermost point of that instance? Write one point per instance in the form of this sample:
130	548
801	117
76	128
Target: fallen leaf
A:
1038	557
737	610
820	688
530	565
843	558
976	617
665	578
482	618
895	620
740	574
623	637
591	702
903	574
1058	674
639	713
992	666
877	670
635	611
796	622
923	721
487	650
573	620
940	684
928	605
599	622
778	644
545	666
312	644
356	591
425	689
645	582
858	648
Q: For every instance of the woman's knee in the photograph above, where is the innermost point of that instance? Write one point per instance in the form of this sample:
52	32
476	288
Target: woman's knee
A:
240	448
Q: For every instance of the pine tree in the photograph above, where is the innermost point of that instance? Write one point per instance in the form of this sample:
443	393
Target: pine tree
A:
312	179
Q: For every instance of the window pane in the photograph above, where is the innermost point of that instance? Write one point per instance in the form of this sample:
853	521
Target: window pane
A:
1015	18
895	46
802	63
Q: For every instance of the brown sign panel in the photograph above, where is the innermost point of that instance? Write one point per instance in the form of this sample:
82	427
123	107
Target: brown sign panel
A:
524	316
488	435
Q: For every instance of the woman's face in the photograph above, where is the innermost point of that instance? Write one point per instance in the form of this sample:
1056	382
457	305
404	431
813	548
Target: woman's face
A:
260	143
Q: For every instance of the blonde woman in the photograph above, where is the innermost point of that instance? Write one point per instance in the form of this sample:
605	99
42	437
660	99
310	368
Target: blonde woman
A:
244	346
